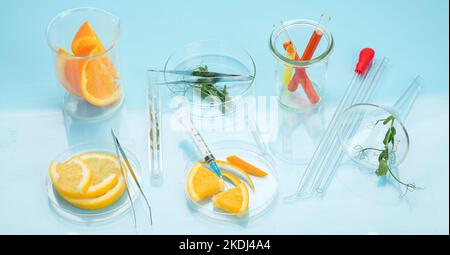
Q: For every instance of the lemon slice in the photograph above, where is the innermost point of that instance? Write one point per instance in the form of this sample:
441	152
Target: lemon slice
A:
105	170
234	200
72	178
202	183
99	202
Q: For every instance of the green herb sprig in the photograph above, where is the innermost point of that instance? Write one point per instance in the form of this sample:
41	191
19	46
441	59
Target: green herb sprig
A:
387	152
208	88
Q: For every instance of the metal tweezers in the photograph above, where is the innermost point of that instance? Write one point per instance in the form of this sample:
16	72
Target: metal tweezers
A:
203	77
121	155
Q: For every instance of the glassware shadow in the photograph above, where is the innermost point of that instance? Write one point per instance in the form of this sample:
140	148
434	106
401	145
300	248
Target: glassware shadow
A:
297	133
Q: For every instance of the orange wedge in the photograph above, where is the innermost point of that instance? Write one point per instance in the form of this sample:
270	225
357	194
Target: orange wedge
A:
96	76
68	72
233	200
228	167
235	180
202	183
98	85
85	39
245	166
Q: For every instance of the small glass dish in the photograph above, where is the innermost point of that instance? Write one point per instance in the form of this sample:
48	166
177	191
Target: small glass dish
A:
369	132
260	200
70	212
218	56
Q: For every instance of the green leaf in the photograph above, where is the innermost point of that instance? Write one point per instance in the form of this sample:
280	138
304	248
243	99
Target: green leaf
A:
389	137
393	130
383	168
388	119
384	155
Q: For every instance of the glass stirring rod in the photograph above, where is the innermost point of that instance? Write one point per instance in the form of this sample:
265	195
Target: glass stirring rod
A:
199	142
306	185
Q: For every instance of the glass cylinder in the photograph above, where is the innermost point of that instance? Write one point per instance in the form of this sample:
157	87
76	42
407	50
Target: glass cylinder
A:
85	46
301	49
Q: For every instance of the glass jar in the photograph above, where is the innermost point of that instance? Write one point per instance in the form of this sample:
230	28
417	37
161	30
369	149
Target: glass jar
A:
301	49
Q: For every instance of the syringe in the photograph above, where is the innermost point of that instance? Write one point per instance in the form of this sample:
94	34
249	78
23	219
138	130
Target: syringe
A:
199	142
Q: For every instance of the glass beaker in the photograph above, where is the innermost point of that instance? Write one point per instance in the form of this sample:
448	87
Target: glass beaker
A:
85	46
300	69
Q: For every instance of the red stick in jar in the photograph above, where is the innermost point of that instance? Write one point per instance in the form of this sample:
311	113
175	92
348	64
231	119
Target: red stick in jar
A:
300	76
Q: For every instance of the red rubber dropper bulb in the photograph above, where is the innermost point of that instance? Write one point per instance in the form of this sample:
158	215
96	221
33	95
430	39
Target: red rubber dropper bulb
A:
365	57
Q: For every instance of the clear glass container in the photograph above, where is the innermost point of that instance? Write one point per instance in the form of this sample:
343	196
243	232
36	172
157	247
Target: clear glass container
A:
300	81
266	188
361	129
91	79
218	56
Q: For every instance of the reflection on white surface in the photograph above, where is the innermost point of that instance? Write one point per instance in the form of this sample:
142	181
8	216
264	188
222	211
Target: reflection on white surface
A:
298	134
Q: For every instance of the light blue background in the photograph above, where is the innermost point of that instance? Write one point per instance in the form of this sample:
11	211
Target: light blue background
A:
414	34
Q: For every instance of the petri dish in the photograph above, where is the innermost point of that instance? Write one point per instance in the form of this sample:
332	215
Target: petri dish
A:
260	200
218	56
75	214
360	128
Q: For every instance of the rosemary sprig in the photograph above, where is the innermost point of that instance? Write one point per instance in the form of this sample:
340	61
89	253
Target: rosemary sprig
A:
209	89
387	152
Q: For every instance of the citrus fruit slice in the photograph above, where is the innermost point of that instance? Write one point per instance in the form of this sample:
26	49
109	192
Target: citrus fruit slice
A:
85	39
72	178
202	183
225	166
99	202
234	200
68	72
235	180
98	77
244	165
99	86
105	169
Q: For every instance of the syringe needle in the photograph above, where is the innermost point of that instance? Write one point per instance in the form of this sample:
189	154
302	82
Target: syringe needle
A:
199	142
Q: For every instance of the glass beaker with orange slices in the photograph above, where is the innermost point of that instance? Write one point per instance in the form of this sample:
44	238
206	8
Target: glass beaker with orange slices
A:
85	45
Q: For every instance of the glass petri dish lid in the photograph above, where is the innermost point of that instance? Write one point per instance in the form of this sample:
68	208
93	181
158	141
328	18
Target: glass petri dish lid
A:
217	56
67	211
260	200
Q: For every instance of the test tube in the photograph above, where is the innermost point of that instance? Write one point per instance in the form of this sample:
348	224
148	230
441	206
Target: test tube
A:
154	133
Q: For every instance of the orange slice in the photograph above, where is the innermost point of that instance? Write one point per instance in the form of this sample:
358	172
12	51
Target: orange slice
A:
98	78
84	40
105	170
72	178
245	166
99	202
202	183
233	200
228	167
235	180
98	85
68	72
